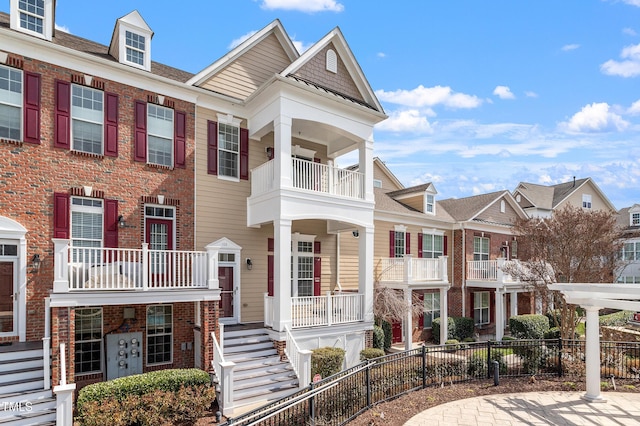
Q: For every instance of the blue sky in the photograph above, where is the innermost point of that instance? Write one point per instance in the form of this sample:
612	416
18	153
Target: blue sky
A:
481	95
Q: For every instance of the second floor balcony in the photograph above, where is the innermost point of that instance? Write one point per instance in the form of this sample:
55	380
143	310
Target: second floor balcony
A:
489	271
412	271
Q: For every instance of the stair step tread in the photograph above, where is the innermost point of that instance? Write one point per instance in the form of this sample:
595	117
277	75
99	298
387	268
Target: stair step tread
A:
21	370
49	412
268	393
20	360
248	348
244	358
31	395
264	381
262	370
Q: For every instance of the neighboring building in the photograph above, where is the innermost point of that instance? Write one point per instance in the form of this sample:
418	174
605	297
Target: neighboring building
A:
412	236
482	242
628	219
541	201
142	202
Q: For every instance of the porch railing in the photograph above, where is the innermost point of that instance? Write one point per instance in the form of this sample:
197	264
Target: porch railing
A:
224	374
411	270
310	176
91	269
300	360
313	311
487	270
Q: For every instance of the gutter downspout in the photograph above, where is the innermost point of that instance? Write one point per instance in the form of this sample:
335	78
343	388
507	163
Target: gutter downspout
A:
463	272
338	262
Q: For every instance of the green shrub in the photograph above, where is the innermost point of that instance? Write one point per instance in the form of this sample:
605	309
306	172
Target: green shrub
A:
326	361
477	366
459	328
388	334
528	326
555	318
469	340
141	384
615	320
158	400
553	333
378	337
370	353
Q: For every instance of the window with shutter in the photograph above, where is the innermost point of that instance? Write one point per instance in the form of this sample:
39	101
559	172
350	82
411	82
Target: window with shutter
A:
11	101
227	148
160	135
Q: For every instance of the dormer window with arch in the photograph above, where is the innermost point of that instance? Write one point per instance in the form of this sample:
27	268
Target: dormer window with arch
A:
131	41
34	17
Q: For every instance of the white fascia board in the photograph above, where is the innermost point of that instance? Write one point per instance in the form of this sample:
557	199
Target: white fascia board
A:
427	221
104	298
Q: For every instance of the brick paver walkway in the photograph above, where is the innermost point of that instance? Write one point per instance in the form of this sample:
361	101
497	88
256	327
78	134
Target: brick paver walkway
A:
535	408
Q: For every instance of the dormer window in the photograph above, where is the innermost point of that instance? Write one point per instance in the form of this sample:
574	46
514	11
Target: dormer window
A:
430	204
131	41
635	219
33	17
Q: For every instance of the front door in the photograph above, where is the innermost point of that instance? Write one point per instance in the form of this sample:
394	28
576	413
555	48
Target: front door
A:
225	277
396	332
7	299
160	239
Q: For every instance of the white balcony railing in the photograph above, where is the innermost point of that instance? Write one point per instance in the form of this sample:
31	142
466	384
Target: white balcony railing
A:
98	269
224	371
310	176
300	360
409	270
317	311
487	270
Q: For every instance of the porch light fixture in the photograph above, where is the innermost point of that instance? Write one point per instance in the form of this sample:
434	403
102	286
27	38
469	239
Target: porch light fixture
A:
249	264
355	234
121	221
36	262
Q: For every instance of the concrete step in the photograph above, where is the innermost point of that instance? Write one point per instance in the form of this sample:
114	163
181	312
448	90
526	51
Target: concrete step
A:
26	362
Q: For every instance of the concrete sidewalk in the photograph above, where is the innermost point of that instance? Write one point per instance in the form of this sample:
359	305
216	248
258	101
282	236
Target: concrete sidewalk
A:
535	408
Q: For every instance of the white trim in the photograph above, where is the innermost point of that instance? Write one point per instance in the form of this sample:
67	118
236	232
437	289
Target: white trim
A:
12	230
227	246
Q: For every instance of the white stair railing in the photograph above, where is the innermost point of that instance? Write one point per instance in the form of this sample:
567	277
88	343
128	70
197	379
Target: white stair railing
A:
300	360
224	373
64	393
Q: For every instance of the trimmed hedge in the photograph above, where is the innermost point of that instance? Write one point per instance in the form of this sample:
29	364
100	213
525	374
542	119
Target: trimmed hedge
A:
378	337
529	326
459	328
370	353
326	361
388	334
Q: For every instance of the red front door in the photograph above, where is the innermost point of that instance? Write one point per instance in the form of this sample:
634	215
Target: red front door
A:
160	239
6	297
225	277
396	332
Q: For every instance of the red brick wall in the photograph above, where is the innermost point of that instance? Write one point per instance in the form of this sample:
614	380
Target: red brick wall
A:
31	174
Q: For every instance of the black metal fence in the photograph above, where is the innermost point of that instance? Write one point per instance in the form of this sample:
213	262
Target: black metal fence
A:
340	398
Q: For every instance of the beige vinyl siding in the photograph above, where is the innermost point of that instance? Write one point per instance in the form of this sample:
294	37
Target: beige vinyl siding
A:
315	70
387	184
221	211
248	72
597	202
349	262
415	202
493	213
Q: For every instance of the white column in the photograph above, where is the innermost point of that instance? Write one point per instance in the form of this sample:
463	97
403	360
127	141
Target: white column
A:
282	151
281	274
499	315
513	299
365	163
60	265
592	355
365	273
444	315
212	266
408	321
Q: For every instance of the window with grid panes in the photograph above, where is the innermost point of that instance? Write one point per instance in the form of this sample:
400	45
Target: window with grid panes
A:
87	117
431	308
399	243
481	307
159	334
432	246
135	44
32	15
228	150
86	229
10	103
88	340
480	248
160	135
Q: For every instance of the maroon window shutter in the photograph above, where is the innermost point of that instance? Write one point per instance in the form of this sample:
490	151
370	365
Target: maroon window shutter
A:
316	247
180	140
31	107
140	152
212	147
111	125
111	223
62	138
444	246
421	316
270	244
270	275
61	215
317	271
392	241
244	154
407	243
419	245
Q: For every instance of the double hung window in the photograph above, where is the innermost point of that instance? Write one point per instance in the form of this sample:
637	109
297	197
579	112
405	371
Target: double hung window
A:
10	103
87	115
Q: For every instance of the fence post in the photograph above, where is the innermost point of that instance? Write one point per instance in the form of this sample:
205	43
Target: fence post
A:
488	359
424	367
368	379
312	405
560	372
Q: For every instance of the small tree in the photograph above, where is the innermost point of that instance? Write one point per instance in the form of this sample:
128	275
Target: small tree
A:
573	246
390	305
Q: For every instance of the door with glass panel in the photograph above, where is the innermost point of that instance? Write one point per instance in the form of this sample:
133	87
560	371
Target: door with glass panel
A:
160	239
7	296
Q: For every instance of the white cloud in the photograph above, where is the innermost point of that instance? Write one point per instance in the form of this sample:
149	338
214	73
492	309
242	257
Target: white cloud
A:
63	28
629	67
411	121
530	94
381	55
634	109
308	6
238	41
629	31
569	47
429	96
595	117
503	92
635	3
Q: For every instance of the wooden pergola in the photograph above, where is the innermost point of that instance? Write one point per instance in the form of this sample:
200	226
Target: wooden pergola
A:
593	297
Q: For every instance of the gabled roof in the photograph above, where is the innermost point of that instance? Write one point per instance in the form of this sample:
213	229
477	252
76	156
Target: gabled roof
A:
623	218
469	208
337	41
383	167
274	28
385	203
550	197
418	189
